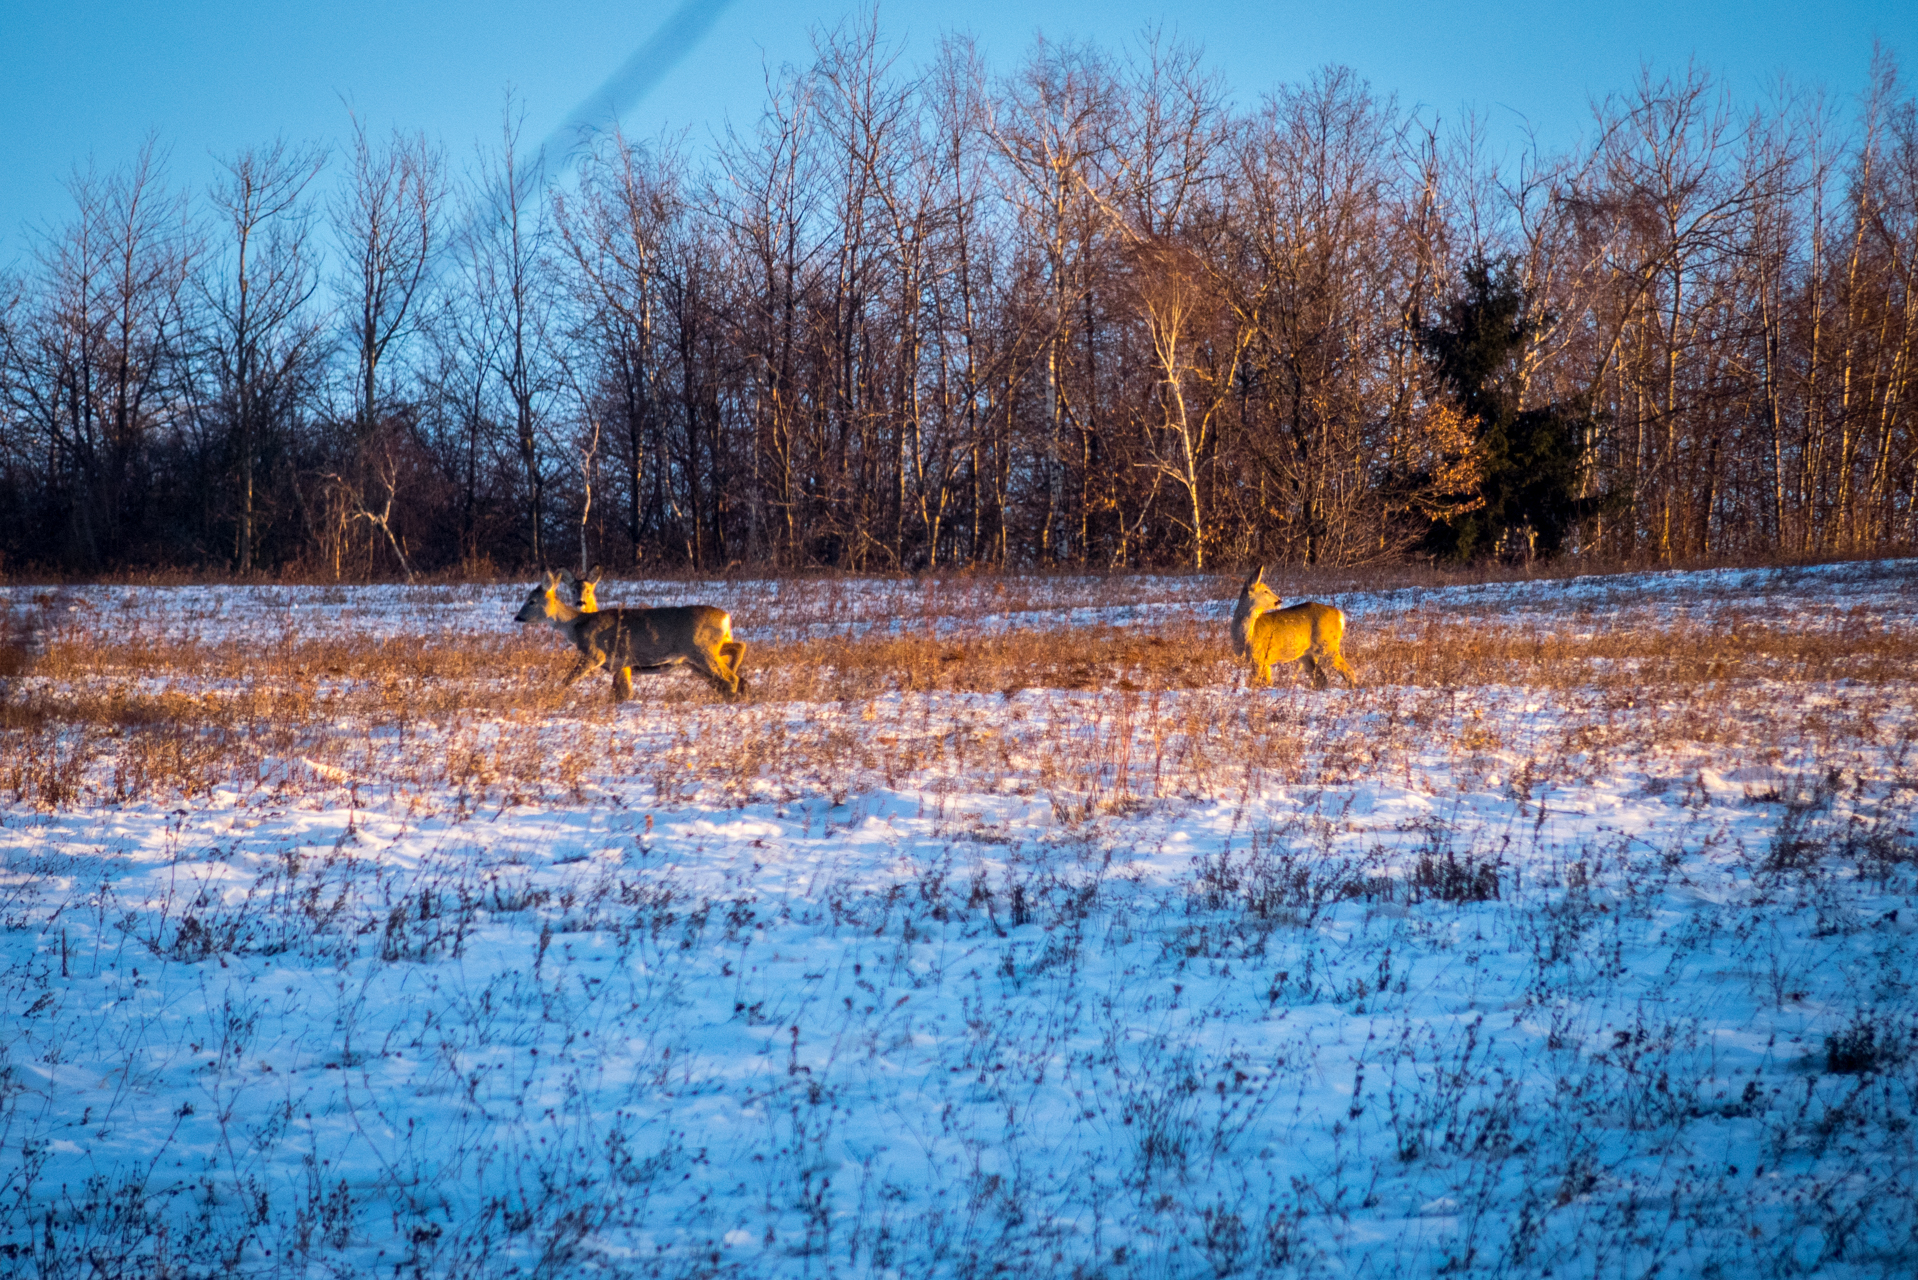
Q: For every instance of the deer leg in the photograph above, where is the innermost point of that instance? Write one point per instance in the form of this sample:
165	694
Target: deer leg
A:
735	651
1311	664
622	684
714	669
588	662
1344	668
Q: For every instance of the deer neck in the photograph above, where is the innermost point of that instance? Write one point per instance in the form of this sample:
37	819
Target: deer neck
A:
564	618
1242	619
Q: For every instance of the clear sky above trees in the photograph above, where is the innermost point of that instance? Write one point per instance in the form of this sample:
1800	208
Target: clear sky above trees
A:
94	77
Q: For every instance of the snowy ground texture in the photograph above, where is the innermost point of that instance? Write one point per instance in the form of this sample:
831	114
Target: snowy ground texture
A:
1463	971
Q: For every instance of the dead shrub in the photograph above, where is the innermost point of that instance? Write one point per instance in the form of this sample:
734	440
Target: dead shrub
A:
1446	877
1872	1042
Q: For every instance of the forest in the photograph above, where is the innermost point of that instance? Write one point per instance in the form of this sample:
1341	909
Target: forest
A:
1095	308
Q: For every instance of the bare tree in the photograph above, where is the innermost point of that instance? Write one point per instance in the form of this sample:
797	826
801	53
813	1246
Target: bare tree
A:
766	204
464	420
1164	175
92	358
621	236
509	231
387	224
1666	212
977	354
1053	126
1313	169
256	299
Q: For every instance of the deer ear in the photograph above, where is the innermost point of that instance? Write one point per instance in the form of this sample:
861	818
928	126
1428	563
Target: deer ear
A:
1253	581
566	576
592	579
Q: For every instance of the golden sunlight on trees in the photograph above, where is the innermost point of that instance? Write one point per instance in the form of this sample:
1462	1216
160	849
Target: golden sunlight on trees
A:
1088	309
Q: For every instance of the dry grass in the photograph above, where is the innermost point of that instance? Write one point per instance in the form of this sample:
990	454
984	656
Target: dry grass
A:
1421	651
1098	718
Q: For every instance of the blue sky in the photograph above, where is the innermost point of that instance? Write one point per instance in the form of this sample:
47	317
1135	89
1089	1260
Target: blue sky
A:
90	78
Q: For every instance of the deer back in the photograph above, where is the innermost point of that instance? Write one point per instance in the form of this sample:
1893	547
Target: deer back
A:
653	637
1285	635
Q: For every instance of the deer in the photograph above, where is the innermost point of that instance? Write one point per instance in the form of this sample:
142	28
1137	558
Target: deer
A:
585	594
643	640
586	599
1308	634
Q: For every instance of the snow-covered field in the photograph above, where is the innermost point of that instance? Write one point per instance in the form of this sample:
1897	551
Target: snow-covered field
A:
1580	941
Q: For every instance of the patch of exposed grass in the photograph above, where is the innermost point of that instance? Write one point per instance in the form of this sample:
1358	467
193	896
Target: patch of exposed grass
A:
1108	715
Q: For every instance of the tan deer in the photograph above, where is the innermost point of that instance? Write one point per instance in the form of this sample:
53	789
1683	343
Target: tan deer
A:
643	640
1308	634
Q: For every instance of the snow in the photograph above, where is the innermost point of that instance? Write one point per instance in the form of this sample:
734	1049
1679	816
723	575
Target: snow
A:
797	608
1477	1005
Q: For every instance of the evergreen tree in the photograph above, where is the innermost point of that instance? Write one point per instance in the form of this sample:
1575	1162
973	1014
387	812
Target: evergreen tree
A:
1530	457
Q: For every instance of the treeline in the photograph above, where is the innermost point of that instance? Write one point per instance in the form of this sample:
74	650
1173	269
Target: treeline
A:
1085	312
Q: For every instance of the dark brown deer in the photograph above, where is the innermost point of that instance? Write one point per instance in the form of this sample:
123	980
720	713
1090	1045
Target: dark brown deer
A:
643	640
